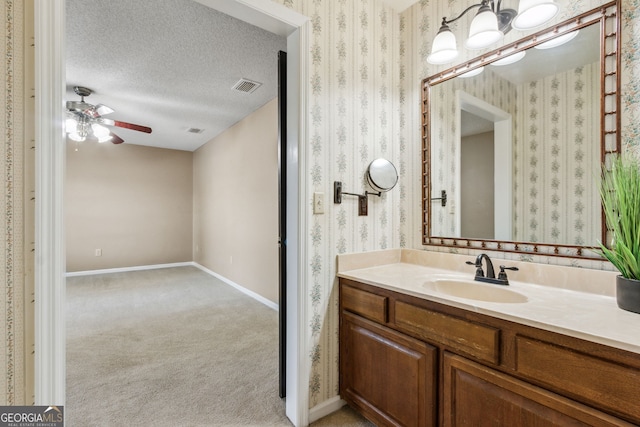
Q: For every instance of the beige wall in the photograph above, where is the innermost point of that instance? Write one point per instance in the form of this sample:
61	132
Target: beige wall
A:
235	182
132	202
477	186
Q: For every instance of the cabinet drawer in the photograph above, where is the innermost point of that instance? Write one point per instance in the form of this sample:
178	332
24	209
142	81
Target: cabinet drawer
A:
596	381
476	340
366	304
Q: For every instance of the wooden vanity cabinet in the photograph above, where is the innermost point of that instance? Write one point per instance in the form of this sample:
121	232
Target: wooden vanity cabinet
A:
407	361
476	395
388	376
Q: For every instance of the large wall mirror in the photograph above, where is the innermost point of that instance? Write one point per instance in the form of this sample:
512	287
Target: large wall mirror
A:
517	146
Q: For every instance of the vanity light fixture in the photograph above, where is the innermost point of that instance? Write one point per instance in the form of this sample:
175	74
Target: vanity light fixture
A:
511	59
558	41
489	26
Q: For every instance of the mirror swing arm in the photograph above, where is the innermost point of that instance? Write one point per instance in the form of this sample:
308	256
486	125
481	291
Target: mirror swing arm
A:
609	20
381	175
363	201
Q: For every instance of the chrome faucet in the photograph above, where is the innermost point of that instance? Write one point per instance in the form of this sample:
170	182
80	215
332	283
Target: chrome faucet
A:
491	275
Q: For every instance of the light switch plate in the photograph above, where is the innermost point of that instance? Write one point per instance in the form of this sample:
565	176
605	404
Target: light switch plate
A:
318	202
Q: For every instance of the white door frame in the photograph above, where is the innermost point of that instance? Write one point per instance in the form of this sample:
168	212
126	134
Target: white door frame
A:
50	339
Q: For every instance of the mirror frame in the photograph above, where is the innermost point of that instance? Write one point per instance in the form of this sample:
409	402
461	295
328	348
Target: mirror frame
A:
608	17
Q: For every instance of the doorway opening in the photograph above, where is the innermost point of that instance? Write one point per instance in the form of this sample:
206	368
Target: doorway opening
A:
485	199
50	259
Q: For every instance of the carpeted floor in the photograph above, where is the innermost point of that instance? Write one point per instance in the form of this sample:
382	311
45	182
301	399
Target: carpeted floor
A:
172	347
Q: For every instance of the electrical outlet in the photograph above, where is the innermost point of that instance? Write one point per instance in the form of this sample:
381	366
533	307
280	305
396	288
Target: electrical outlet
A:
98	252
318	203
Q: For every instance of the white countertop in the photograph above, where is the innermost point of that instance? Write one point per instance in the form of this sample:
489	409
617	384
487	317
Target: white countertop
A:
584	315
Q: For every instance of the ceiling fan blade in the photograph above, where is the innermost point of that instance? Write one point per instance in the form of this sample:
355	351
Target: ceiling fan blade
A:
116	139
132	126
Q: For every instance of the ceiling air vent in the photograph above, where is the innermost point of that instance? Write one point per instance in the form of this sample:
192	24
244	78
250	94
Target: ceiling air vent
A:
195	130
246	86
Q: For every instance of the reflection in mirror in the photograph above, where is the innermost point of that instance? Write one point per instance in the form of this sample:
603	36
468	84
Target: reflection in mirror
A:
518	146
547	116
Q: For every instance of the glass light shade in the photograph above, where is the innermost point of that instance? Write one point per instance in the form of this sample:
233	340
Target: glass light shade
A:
484	30
472	73
105	139
511	59
444	48
102	109
74	136
558	40
99	131
533	13
70	125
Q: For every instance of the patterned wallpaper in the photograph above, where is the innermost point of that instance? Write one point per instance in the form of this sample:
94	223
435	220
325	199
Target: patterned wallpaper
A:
16	272
558	154
354	115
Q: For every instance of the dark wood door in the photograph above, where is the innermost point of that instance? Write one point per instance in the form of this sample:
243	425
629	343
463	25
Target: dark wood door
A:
388	376
282	220
475	395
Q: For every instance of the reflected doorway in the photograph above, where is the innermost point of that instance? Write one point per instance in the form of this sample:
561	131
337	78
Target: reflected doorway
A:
486	172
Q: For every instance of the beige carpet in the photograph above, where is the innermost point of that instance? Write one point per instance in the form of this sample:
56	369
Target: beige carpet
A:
172	347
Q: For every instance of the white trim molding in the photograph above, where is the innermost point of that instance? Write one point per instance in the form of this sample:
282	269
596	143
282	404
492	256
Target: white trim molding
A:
50	341
220	277
265	14
127	269
325	408
242	289
298	336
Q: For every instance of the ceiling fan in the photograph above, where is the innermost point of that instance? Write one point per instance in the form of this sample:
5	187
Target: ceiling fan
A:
84	119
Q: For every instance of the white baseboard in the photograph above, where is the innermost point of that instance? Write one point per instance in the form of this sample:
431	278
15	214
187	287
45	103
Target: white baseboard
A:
242	289
127	269
325	408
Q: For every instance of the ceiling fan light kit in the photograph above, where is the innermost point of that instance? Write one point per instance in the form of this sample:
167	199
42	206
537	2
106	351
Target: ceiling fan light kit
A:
85	120
489	26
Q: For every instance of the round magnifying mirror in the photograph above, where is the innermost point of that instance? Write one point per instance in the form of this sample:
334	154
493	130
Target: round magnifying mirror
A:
382	175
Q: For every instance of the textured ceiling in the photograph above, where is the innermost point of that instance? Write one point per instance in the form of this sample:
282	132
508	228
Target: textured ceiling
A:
169	65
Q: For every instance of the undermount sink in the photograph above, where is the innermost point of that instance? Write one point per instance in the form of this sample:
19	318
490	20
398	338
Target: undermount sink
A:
474	290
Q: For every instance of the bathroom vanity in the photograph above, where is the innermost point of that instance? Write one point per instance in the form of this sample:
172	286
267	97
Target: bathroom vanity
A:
421	346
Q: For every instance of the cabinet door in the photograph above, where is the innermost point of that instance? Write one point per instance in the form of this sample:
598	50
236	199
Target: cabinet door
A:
475	395
389	377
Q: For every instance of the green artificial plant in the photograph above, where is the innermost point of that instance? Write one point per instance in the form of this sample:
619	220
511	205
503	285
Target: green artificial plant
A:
620	194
